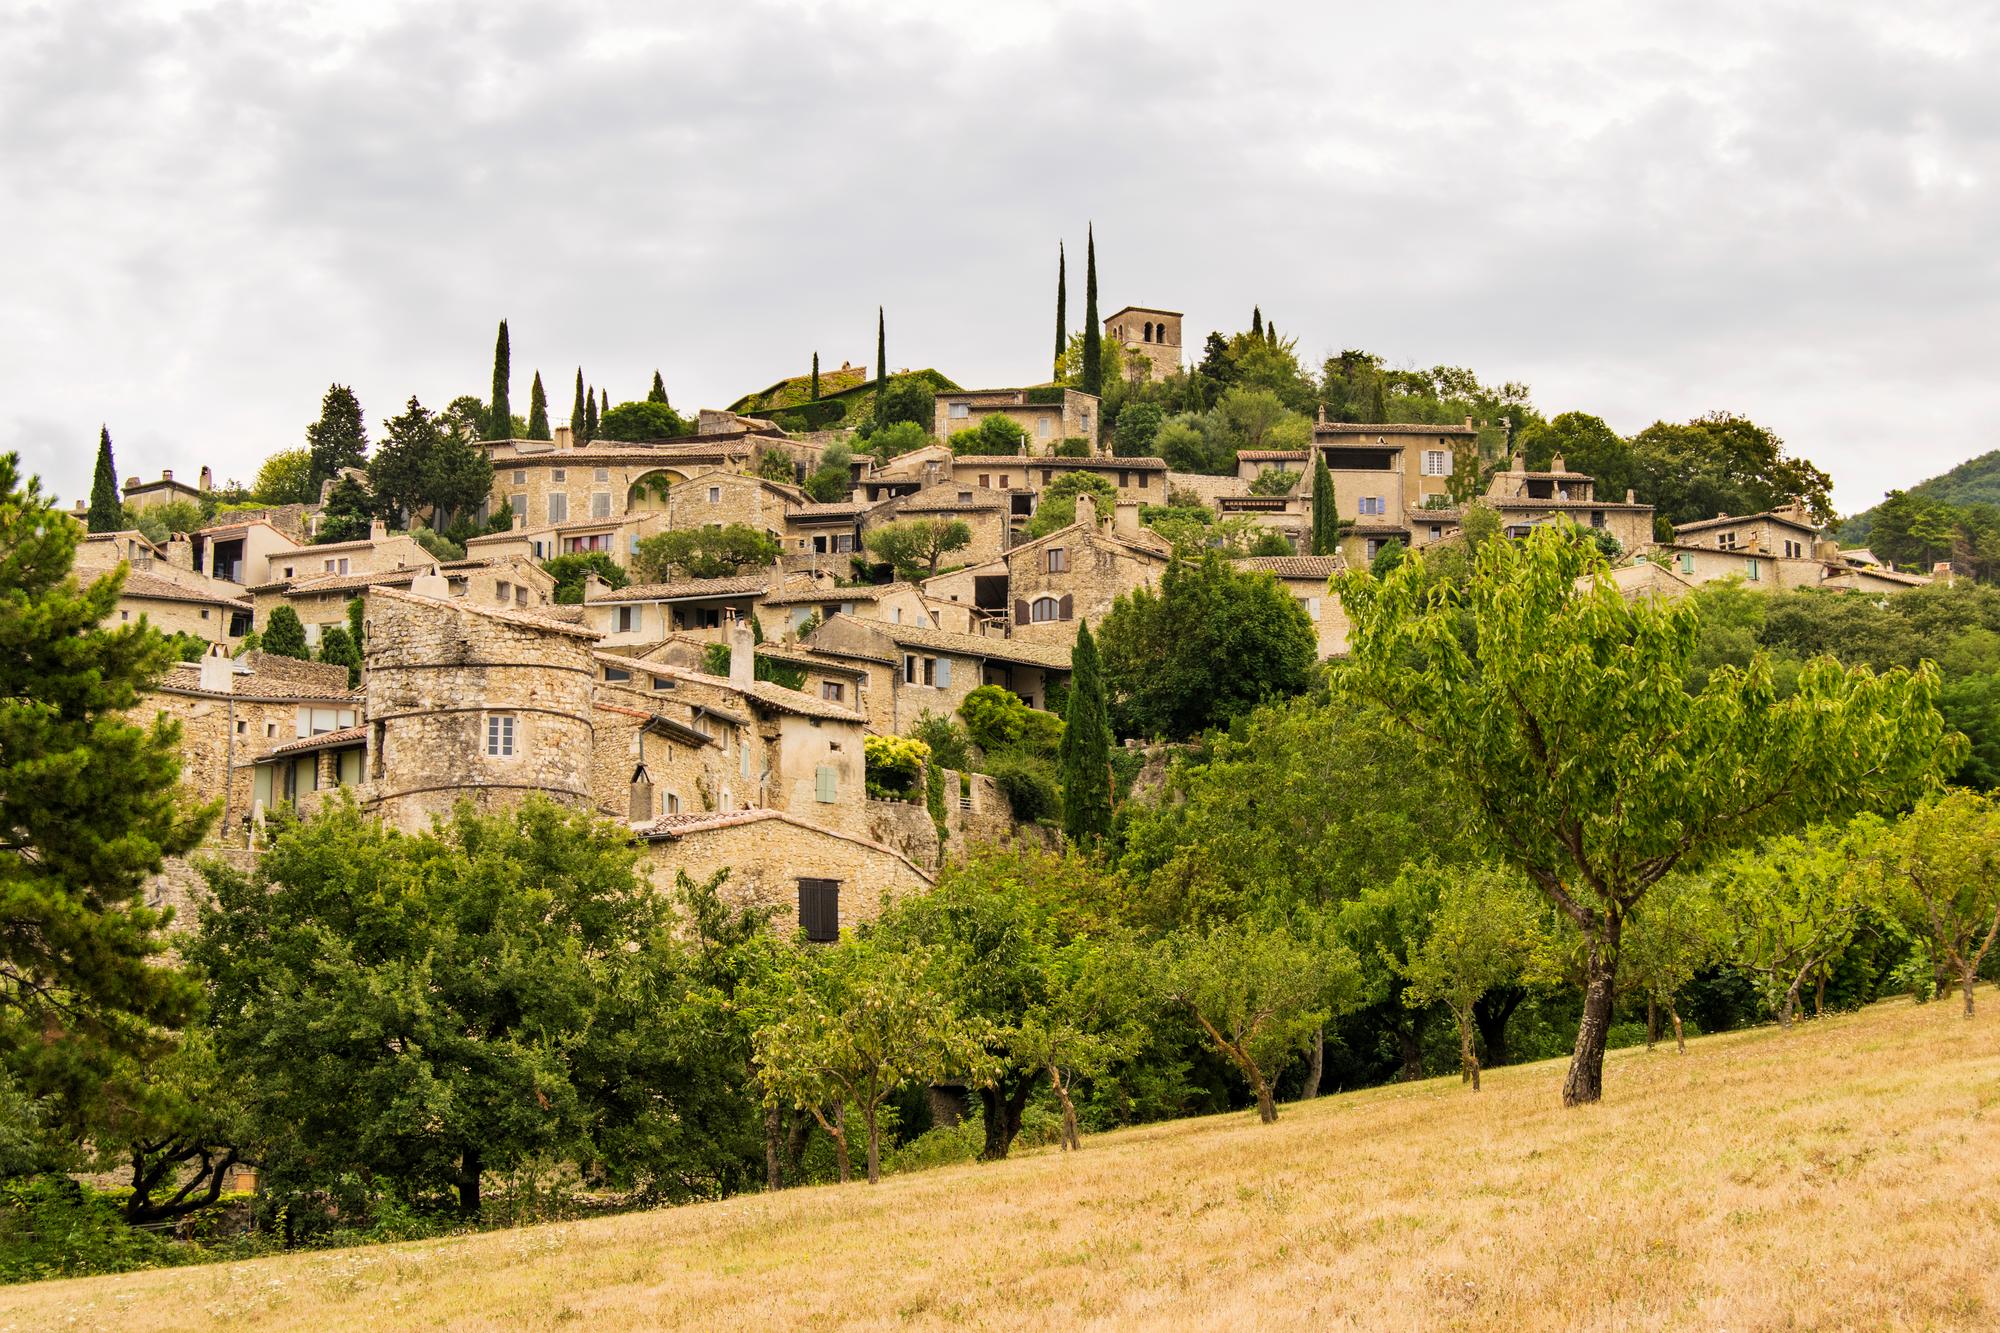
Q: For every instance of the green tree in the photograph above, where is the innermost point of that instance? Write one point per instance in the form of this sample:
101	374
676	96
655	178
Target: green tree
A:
1486	932
1789	906
999	722
849	1024
1259	993
579	416
339	439
1210	645
1056	507
1723	464
1062	307
337	647
285	478
1138	425
426	1009
898	437
1085	757
638	422
995	435
348	513
1093	335
881	361
1564	709
658	393
710	552
1940	866
1275	481
813	396
423	470
538	410
909	398
1326	521
1668	941
833	480
107	511
284	634
500	425
1585	444
914	546
90	804
591	420
570	571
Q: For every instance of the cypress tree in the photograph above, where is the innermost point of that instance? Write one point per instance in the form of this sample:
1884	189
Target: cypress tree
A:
285	634
1093	337
538	410
1378	405
1271	333
501	425
589	417
577	415
881	361
1085	755
658	393
339	439
1326	514
1062	307
107	512
1256	322
815	380
604	406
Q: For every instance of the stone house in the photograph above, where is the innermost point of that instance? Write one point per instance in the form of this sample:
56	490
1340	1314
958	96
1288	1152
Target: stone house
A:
645	613
823	536
1151	339
1254	463
1305	578
986	511
144	494
379	552
1821	567
241	551
173	608
1049	414
548	485
1525	499
912	670
1383	474
1786	534
321	599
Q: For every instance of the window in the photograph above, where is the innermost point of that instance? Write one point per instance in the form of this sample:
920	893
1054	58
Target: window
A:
520	594
336	566
559	474
1058	560
1043	426
1144	481
558	509
520	476
986	479
1003	481
617	675
628	619
1687	563
715	495
965	497
1725	541
1044	609
833	691
960	411
1793	550
1437	463
1371	504
1312	608
502	591
602	474
500	736
662	683
826	784
1374	545
288	571
242	727
600	504
672	804
1752	570
1437	531
1124	478
920	670
819	910
204	613
518	502
1597	518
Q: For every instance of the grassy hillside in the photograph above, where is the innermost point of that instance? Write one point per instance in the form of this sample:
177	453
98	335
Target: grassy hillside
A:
847	397
1975	481
1840	1177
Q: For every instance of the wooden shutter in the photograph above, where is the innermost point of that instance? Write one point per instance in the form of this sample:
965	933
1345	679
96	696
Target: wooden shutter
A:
819	910
1068	605
1021	611
827	783
943	679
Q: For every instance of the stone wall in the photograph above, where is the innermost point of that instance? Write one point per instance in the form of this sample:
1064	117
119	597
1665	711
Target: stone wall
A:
767	855
1095	571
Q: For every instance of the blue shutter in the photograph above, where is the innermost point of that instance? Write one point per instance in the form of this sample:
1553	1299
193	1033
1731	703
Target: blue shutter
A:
943	674
827	782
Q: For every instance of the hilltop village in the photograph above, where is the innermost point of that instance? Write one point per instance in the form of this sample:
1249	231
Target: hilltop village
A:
753	601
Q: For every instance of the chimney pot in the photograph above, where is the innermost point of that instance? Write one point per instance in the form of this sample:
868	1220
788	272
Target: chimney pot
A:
1086	510
166	474
742	655
218	672
564	438
377	530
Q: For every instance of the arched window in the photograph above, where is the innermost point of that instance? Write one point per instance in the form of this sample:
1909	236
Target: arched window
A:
642	795
1148	337
1043	609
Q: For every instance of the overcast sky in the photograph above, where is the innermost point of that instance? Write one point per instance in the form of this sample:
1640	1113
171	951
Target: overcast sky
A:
1643	211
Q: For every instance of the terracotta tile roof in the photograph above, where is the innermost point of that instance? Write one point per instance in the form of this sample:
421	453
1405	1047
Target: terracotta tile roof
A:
813	596
768	693
976	645
328	740
836	509
675	827
267	676
1725	520
324	583
1292	566
781	652
736	585
1389	428
1068	464
158	589
1525	502
944	498
524	619
773	695
1274	455
1143	310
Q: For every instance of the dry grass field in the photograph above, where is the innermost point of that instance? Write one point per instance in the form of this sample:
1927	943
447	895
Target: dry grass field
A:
1846	1176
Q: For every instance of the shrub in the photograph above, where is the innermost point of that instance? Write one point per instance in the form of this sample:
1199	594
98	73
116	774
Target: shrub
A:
703	553
50	1226
641	421
949	742
995	435
570	571
1275	481
436	545
1074	446
897	437
1029	784
894	763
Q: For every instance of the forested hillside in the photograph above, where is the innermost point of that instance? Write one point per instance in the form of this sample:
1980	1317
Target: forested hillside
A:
1975	481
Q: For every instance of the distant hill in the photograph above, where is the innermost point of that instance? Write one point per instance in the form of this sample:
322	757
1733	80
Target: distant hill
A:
1976	481
846	397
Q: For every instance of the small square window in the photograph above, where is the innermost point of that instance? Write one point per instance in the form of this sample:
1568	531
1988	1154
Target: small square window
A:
559	474
500	736
602	474
520	476
715	495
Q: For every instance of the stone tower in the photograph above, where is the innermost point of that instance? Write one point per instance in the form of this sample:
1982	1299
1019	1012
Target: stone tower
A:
1151	339
467	702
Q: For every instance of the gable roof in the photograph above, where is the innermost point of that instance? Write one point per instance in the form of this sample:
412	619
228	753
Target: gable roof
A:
768	693
675	590
1063	464
154	588
672	828
814	595
1143	310
1726	520
1291	566
1147	544
944	497
986	646
1389	428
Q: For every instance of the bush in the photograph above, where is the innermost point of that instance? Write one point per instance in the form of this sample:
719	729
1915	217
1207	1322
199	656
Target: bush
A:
894	764
1074	446
570	571
1029	785
1275	481
995	435
641	421
897	437
710	552
51	1227
999	722
950	745
436	545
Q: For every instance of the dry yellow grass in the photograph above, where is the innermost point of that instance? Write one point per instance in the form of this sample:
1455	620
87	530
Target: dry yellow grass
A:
1847	1176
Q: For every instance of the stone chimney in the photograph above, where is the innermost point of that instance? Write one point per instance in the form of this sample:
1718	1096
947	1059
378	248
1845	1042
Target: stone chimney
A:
594	585
131	483
218	672
207	479
564	438
1125	518
1086	510
1631	496
1826	548
1556	464
180	551
520	521
431	583
377	530
1322	414
1519	463
742	655
166	474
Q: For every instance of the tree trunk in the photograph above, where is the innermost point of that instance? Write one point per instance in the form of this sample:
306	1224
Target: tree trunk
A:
1819	995
1068	1138
1967	975
774	1142
1491	1013
1315	1066
874	1146
1000	1108
1680	1041
839	1131
468	1182
1468	1057
1652	1023
1267	1105
1791	1004
1411	1050
1584	1084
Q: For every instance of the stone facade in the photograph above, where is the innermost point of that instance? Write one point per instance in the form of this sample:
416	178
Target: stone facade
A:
1305	578
984	510
172	608
1049	414
1787	534
241	551
321	601
913	670
1074	575
550	486
1151	339
466	701
644	613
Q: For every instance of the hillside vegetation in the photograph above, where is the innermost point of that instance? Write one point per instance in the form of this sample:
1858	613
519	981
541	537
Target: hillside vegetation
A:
1836	1177
1975	481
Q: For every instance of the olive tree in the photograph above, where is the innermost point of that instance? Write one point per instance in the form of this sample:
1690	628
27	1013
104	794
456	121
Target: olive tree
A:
1486	931
1788	907
1941	867
1564	709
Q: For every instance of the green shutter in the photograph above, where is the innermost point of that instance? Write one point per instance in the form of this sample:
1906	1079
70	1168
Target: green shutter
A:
828	783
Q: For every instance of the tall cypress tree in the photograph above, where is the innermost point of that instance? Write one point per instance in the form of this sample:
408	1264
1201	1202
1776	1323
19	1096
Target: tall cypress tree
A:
1085	755
658	393
604	404
538	410
815	380
881	361
107	512
1062	307
1256	322
1326	514
1093	337
589	417
578	418
1378	402
500	426
1271	333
